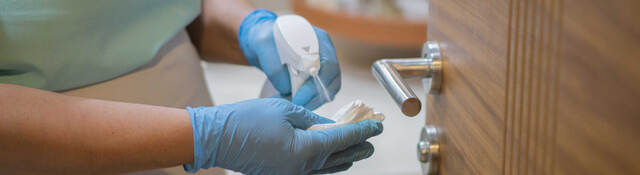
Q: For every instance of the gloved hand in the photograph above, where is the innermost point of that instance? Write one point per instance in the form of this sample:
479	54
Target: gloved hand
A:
258	45
268	136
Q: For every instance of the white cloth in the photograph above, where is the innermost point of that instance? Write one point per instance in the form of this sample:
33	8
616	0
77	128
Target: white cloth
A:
351	113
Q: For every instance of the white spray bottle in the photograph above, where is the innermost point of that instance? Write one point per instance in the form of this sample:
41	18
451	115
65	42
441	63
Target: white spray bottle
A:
297	45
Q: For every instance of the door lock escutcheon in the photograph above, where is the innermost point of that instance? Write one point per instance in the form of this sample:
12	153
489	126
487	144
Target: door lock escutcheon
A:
429	150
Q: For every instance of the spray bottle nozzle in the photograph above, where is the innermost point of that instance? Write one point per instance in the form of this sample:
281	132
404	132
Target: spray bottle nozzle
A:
320	87
297	45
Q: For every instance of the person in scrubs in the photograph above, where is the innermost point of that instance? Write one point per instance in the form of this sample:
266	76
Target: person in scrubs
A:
104	87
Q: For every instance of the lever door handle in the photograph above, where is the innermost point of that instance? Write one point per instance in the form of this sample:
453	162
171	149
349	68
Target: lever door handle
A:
391	73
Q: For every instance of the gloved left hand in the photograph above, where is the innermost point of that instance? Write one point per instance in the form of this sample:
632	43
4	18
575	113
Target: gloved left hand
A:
269	136
258	45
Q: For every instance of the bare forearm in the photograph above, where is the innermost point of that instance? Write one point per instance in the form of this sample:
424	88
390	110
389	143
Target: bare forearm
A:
48	132
215	32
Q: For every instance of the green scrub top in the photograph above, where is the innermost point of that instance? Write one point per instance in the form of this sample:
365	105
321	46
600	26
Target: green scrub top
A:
64	44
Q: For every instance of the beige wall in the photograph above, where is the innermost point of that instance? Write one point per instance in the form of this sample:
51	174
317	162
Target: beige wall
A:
280	6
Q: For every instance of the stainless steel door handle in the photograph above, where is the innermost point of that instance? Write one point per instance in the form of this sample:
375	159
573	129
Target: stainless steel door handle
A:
391	73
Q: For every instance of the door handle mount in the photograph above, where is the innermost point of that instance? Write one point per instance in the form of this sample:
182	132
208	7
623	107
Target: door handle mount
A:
391	73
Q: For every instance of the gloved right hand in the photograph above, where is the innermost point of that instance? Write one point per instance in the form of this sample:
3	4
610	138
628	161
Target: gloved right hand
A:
268	136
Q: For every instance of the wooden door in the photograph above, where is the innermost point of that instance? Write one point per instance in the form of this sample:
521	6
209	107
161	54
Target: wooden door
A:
537	86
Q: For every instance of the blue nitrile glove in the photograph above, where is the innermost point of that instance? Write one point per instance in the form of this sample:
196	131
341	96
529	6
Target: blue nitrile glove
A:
268	136
258	45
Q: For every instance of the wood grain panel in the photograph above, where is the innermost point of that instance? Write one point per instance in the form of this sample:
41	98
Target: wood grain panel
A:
572	88
538	86
598	93
531	78
469	109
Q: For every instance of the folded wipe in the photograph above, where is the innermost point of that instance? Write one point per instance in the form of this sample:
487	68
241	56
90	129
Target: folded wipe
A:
351	113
